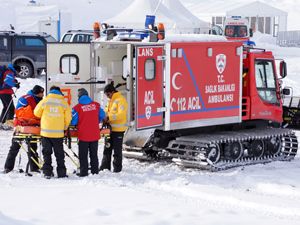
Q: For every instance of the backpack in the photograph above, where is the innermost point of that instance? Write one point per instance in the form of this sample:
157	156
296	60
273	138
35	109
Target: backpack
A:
2	71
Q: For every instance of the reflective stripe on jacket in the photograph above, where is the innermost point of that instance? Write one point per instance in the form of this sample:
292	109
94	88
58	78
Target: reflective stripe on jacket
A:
55	114
117	112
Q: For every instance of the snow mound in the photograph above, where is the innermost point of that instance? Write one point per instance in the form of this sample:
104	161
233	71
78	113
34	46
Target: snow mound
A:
9	221
259	37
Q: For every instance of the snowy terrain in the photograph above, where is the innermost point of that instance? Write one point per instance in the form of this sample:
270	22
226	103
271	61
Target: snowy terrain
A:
156	193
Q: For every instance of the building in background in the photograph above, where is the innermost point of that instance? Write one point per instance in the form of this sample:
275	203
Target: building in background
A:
198	26
262	17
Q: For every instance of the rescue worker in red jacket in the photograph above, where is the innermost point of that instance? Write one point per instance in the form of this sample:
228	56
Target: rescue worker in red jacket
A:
117	118
87	115
8	81
25	117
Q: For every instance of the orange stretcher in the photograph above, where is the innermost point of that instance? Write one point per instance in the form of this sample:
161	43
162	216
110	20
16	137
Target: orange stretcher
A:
33	130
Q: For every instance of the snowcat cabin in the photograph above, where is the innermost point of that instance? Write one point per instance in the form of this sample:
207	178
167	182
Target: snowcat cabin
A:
261	89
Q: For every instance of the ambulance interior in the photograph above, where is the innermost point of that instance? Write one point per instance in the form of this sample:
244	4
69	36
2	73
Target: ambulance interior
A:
112	64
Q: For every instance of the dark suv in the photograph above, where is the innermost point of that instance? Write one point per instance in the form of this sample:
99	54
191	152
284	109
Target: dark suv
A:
28	50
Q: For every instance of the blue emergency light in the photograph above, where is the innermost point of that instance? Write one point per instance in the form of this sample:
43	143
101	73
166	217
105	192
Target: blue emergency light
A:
249	43
236	17
149	22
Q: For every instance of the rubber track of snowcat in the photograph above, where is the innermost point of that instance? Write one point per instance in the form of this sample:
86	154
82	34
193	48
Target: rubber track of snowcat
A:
191	151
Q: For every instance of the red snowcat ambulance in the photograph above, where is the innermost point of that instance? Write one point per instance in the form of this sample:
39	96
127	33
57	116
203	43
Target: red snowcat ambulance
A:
200	101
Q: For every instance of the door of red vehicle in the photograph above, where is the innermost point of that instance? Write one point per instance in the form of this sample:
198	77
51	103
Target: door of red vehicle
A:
265	94
149	87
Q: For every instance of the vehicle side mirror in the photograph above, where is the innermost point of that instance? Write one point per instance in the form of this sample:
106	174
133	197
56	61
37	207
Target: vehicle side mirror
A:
250	32
286	91
283	69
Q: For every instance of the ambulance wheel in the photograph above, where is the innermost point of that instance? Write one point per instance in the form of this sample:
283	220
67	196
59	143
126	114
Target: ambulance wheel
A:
26	70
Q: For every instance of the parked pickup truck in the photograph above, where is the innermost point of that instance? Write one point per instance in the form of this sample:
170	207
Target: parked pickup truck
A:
28	50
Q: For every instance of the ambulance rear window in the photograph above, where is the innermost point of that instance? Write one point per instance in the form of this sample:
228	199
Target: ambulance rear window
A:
150	69
69	64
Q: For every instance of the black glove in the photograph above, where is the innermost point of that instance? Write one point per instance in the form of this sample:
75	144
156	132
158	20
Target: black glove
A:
17	85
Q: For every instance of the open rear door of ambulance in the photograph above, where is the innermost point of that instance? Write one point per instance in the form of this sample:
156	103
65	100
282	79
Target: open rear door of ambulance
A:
68	66
149	87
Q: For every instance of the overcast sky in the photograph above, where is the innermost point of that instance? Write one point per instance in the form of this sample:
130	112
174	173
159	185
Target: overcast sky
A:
93	10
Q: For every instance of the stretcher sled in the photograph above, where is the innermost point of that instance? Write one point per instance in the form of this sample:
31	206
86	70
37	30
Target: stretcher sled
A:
25	135
71	132
28	130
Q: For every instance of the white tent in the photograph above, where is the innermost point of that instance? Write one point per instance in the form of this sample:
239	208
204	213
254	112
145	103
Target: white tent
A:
262	17
41	18
195	23
134	17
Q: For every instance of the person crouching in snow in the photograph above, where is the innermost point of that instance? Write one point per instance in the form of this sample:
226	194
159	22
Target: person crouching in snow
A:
25	117
87	115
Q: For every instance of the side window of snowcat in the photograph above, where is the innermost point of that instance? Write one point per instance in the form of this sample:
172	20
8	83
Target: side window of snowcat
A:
266	81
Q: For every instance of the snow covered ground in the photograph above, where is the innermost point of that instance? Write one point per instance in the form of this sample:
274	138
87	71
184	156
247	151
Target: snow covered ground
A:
156	193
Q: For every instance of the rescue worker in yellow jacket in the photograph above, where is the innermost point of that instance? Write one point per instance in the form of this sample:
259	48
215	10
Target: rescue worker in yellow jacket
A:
55	114
116	112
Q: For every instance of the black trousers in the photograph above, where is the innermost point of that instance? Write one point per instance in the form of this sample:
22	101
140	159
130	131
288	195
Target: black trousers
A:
56	145
13	152
90	148
114	143
7	106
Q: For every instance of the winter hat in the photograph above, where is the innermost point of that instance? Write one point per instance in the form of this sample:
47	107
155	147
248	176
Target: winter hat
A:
37	89
82	92
55	88
109	88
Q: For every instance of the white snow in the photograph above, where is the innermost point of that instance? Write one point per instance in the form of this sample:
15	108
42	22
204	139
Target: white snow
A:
157	193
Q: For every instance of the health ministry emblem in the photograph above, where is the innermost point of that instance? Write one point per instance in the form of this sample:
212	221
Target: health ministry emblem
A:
221	63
